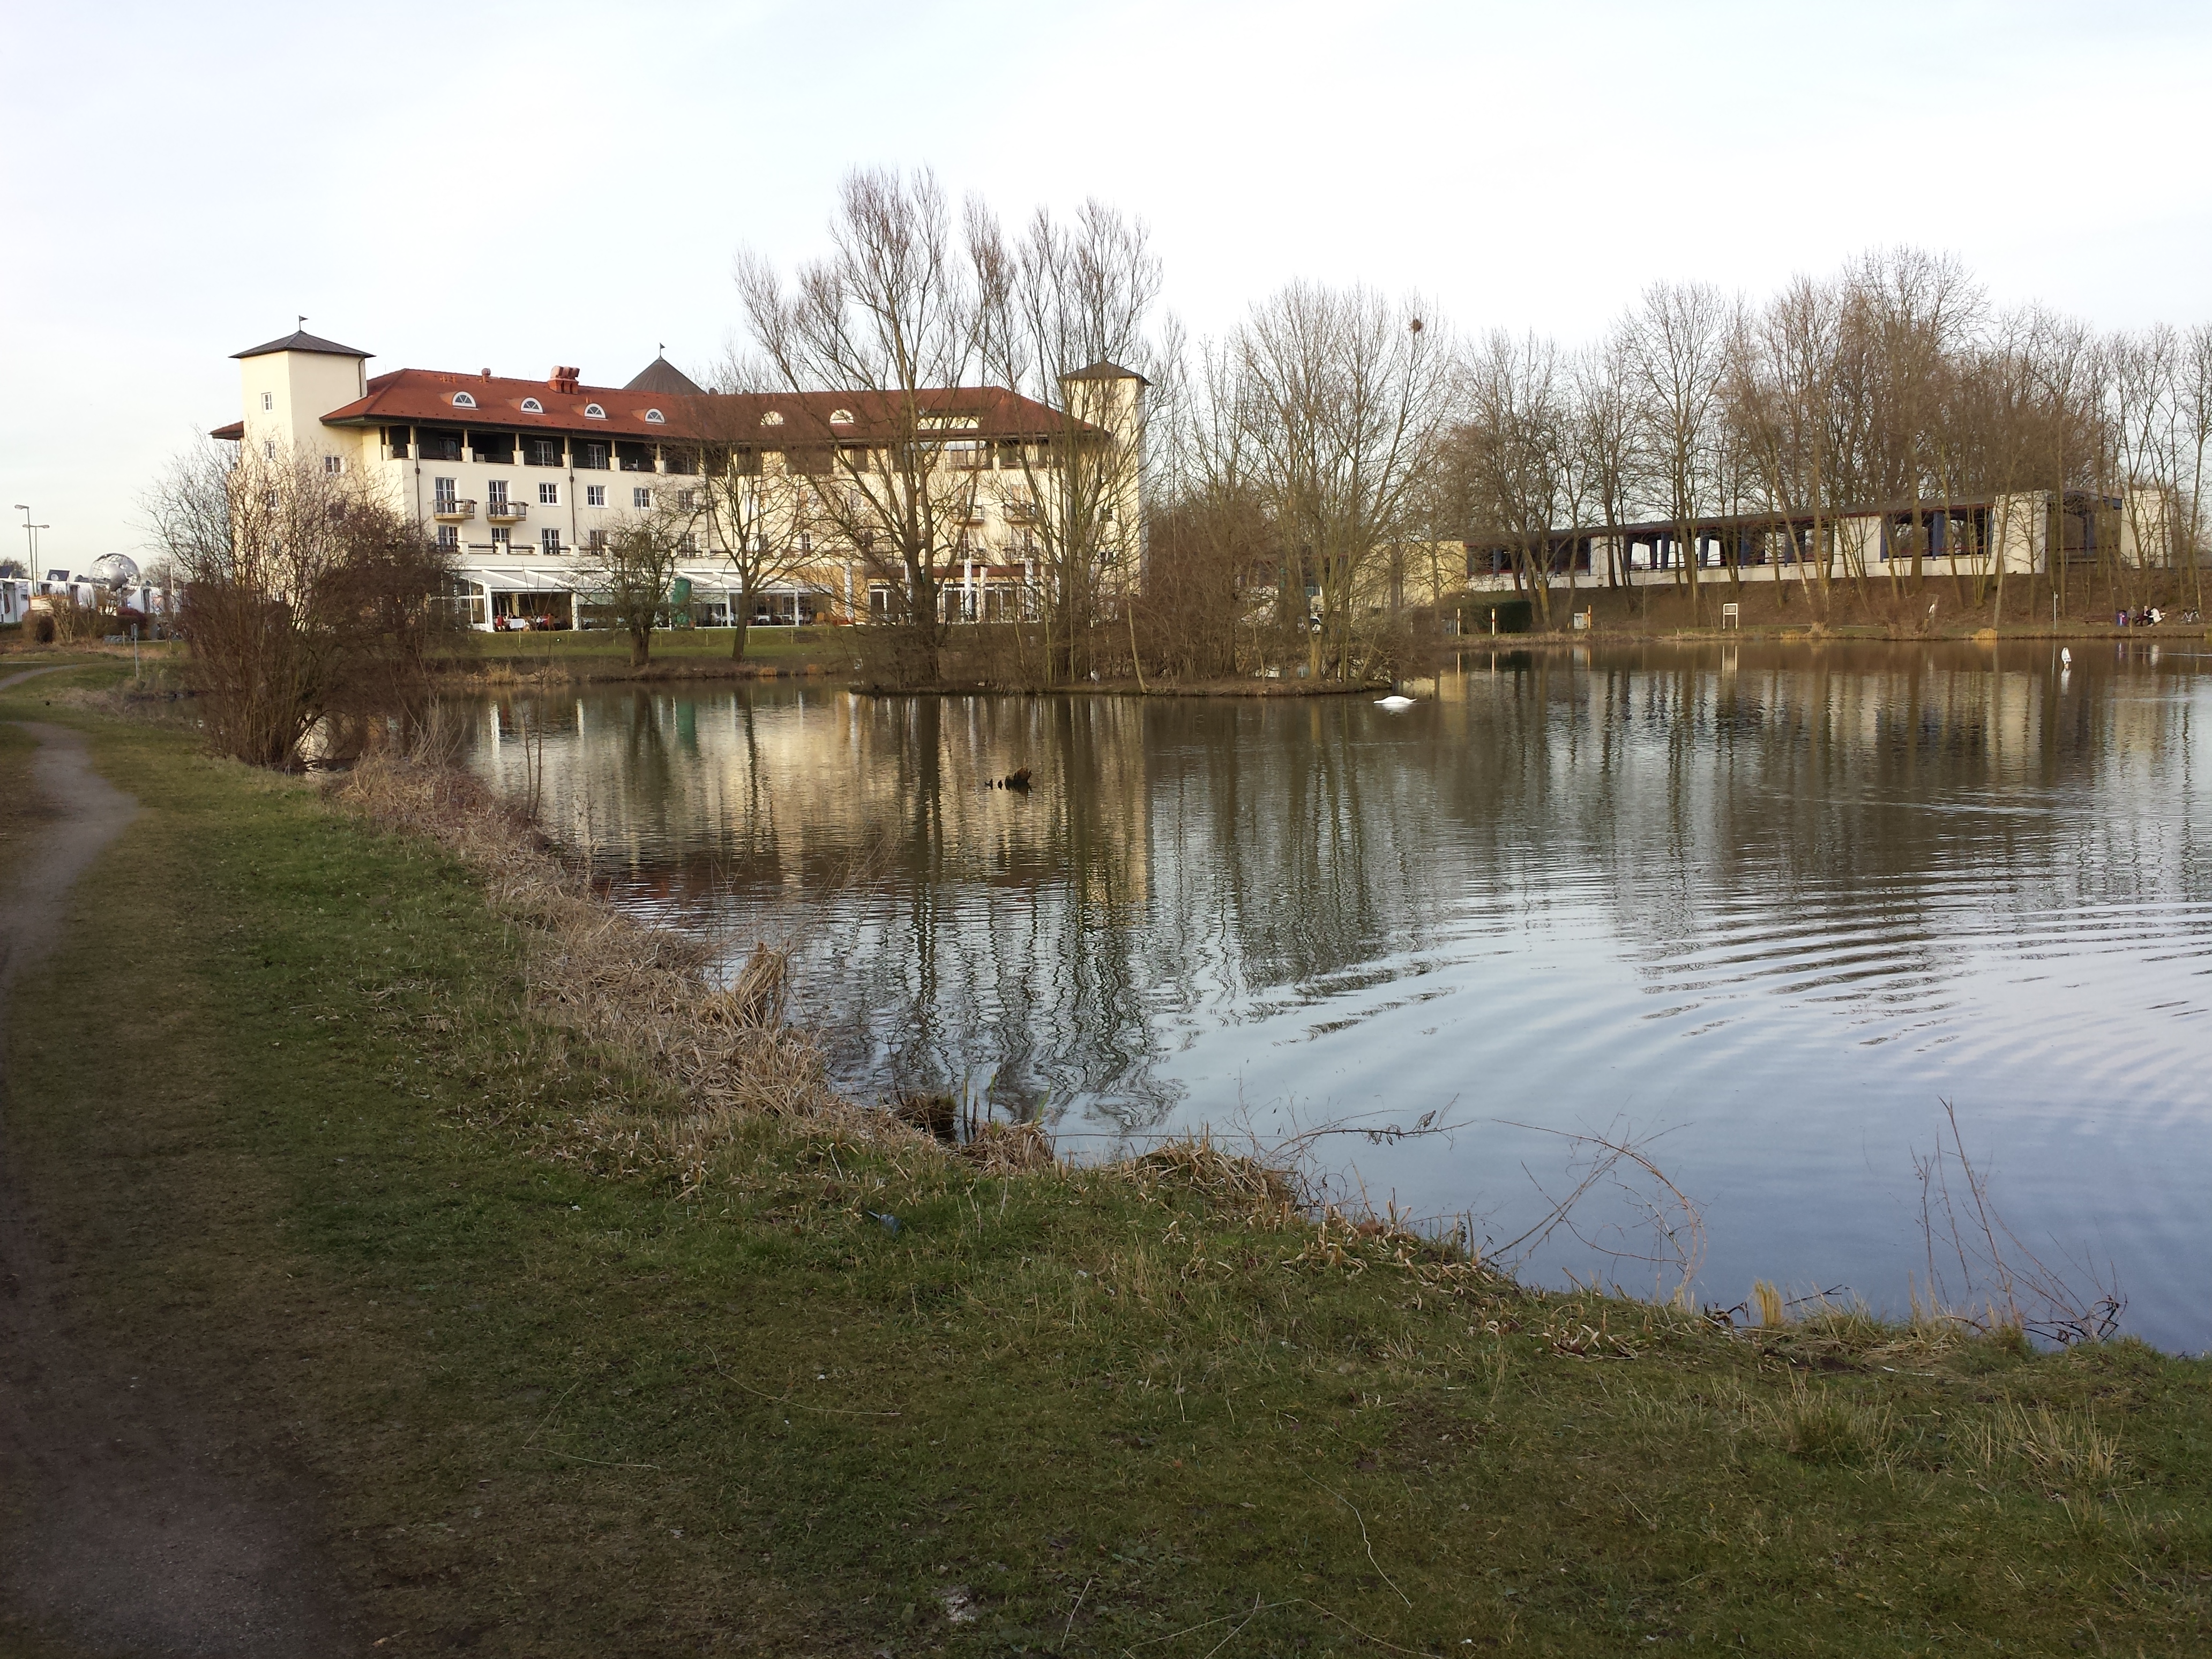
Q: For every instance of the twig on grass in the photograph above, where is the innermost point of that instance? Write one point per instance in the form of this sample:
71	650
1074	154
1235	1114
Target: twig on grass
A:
597	1463
785	1398
1239	1632
1072	1611
1272	1606
555	1406
1362	1519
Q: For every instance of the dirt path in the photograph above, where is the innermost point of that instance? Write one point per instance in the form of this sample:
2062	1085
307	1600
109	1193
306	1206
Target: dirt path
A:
134	1518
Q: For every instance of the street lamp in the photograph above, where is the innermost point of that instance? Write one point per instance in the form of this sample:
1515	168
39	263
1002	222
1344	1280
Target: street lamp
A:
31	535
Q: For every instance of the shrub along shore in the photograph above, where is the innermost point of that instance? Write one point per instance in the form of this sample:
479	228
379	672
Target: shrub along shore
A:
598	1323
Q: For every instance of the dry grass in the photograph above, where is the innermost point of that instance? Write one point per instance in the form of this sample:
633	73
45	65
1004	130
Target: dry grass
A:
2059	1446
1823	1426
1239	1183
1772	1312
725	1051
625	988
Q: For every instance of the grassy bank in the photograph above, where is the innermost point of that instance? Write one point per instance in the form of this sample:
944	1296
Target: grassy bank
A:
678	653
578	1373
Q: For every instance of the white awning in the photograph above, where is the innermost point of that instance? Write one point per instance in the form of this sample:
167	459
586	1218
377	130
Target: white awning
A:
515	579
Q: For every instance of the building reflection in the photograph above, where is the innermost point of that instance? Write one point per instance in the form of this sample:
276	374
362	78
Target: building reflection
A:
1716	815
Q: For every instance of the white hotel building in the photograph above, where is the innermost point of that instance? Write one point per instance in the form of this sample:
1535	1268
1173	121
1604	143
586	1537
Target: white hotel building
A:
513	476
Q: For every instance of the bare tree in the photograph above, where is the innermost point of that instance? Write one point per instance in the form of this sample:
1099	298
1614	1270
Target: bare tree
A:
1064	317
309	598
2193	437
630	575
892	317
1604	438
1781	374
1914	312
2147	420
764	516
1516	456
1342	393
1214	560
1676	352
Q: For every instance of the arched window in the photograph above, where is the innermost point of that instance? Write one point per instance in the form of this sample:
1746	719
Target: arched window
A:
774	417
655	416
841	417
462	400
532	406
593	412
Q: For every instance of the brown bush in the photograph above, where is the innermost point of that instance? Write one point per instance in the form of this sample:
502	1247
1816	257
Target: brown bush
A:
309	601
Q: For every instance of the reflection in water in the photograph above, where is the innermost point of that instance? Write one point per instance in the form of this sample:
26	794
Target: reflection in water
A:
1779	902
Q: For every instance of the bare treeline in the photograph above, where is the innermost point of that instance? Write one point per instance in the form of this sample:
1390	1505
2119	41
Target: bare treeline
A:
1893	384
1321	474
1298	454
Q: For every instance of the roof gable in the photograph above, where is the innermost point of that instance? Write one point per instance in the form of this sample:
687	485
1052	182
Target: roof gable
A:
300	340
662	375
1104	370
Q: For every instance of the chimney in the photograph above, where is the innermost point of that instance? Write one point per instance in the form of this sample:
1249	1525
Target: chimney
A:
566	380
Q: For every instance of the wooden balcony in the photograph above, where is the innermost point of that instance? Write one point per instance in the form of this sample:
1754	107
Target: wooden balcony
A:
447	510
506	511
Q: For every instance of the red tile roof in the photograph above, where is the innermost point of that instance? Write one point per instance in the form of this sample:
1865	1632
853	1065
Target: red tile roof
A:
409	396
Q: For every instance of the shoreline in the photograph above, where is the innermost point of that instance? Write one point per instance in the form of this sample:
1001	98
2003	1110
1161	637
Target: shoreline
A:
494	674
1869	634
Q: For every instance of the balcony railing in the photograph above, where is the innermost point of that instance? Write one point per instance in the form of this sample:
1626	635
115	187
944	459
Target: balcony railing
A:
448	510
506	511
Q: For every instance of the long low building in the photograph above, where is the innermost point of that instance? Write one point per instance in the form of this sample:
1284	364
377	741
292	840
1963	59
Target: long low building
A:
2023	532
518	478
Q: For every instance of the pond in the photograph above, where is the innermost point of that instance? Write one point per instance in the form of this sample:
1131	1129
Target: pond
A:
1757	912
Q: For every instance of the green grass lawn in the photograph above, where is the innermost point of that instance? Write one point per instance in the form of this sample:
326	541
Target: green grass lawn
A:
281	1092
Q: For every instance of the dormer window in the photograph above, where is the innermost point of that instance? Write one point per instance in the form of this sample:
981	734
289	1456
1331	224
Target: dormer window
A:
593	412
655	416
532	406
841	417
462	400
774	417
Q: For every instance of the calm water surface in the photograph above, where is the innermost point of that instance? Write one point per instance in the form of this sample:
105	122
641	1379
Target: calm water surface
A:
1765	912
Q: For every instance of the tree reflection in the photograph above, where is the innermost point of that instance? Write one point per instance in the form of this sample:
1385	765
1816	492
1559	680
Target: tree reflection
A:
1739	818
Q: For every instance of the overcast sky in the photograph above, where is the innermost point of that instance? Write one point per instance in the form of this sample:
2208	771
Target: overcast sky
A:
457	187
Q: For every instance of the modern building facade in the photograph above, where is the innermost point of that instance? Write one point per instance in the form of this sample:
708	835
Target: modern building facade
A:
2024	532
518	478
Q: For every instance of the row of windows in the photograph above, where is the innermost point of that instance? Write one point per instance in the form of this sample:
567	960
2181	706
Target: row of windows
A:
549	494
594	412
548	541
532	406
502	541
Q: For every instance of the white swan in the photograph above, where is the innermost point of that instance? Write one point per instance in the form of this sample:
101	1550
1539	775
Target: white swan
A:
2065	657
1393	701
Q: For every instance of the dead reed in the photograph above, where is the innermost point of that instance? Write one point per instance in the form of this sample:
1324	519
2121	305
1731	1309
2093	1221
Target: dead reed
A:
619	986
